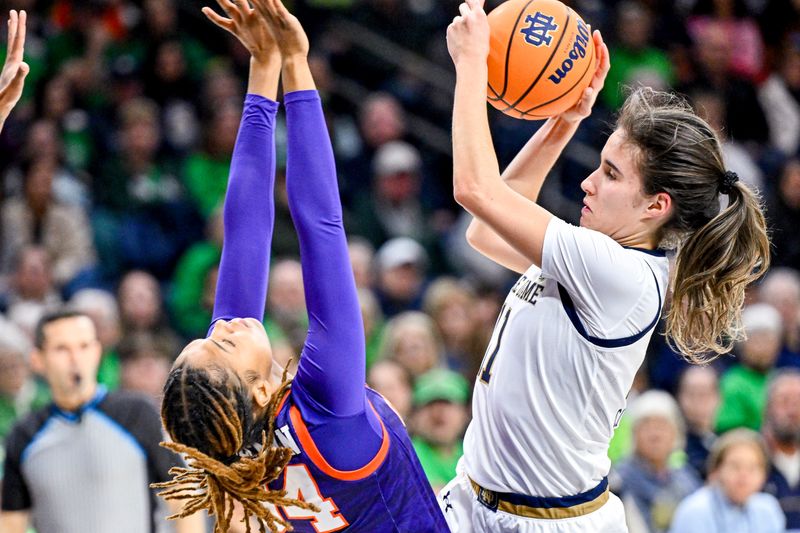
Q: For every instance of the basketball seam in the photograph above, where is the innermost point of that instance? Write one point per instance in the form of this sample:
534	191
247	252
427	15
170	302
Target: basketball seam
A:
549	60
565	92
501	95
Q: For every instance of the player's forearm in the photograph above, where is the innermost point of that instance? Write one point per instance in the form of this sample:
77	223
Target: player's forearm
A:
249	215
527	172
297	74
475	169
264	76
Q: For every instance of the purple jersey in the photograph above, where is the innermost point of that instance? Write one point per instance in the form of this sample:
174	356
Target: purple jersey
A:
389	494
353	457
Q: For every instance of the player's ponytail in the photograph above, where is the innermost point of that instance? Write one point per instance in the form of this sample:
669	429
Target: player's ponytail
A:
718	253
713	267
209	417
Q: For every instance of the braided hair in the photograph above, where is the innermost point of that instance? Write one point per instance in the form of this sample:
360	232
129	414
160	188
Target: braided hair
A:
208	414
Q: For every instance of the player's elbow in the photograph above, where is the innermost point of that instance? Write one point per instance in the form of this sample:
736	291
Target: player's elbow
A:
473	234
467	195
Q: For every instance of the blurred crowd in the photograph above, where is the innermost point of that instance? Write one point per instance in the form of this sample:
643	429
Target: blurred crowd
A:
114	166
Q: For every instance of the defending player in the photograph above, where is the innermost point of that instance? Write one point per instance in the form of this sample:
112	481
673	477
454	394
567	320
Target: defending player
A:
573	331
342	460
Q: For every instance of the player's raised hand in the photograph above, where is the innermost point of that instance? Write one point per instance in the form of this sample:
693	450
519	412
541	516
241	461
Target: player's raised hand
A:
245	23
289	33
468	34
583	107
12	77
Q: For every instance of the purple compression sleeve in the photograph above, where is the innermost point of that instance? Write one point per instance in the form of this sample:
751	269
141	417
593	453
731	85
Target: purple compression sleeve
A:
249	215
329	386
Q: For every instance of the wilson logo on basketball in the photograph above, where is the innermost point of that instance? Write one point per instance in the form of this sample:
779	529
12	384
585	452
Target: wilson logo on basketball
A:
537	33
578	51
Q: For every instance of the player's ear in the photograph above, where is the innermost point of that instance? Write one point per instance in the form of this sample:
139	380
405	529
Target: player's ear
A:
659	206
261	393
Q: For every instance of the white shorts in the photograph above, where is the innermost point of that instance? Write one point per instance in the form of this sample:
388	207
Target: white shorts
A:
465	514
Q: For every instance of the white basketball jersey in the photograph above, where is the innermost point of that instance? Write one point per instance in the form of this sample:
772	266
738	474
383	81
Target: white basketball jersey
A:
567	344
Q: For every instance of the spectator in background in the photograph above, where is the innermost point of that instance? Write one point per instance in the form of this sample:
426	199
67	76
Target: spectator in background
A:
440	417
402	264
381	119
43	141
87	469
145	363
169	83
392	207
451	305
782	433
698	398
778	96
62	230
710	107
731	502
394	383
731	18
142	199
781	289
783	215
142	308
189	303
102	308
362	260
205	172
411	340
744	385
20	392
286	303
636	60
373	324
650	488
31	291
713	49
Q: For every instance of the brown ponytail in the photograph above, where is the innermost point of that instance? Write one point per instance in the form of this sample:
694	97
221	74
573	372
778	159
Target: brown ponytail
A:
718	253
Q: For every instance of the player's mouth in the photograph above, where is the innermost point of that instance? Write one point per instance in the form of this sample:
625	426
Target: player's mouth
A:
586	209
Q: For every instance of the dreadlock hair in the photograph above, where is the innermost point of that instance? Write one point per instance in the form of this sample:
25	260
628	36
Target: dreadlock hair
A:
208	414
718	252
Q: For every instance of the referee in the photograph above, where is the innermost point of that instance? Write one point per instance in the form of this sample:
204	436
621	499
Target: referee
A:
84	463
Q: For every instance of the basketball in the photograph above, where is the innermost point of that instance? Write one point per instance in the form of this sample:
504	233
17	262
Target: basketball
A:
541	58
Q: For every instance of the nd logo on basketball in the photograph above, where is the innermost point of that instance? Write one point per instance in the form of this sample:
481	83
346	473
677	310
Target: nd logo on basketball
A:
578	51
540	27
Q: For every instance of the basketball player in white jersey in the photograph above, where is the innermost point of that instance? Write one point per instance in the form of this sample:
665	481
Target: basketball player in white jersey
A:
573	330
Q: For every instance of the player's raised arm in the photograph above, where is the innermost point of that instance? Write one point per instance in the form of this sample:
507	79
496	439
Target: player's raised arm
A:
529	168
477	185
249	212
12	77
332	368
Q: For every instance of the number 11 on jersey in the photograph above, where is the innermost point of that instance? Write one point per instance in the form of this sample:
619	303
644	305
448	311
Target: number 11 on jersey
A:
486	366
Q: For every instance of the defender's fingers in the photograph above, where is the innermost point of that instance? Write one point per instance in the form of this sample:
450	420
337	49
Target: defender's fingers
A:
19	41
222	22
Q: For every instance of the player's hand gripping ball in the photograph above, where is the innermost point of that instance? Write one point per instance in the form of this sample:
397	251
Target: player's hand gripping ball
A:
541	58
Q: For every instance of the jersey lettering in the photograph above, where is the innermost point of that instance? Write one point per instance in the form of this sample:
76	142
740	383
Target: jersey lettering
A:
300	485
285	439
486	373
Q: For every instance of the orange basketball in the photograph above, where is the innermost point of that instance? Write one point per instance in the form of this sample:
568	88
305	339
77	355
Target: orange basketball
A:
541	58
